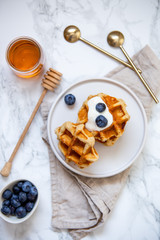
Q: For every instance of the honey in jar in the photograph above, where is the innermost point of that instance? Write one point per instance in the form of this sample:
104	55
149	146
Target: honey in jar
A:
25	57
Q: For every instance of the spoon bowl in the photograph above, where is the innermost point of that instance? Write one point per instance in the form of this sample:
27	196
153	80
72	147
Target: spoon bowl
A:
115	39
72	34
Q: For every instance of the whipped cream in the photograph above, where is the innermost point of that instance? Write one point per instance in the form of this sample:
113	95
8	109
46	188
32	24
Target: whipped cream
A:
93	114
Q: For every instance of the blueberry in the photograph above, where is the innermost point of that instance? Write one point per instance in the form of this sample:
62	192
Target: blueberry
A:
101	121
16	189
15	203
19	184
22	197
31	197
29	206
6	210
26	186
14	196
100	107
7	194
6	203
69	99
12	210
33	191
20	212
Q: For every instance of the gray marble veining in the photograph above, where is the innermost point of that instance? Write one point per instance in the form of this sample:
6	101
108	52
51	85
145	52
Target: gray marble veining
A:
137	212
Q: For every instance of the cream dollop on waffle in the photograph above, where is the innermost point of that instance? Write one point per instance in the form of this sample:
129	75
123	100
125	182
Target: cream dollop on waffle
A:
93	114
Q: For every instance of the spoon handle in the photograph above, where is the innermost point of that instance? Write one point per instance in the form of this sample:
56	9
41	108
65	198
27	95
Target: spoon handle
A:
108	54
7	167
139	75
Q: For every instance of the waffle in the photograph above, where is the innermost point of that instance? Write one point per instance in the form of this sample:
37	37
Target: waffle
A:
117	108
77	144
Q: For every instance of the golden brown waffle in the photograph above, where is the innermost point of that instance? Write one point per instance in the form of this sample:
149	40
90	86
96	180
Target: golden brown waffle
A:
117	108
77	144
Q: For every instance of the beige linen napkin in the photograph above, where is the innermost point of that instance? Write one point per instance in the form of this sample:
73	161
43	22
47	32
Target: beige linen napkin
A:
82	204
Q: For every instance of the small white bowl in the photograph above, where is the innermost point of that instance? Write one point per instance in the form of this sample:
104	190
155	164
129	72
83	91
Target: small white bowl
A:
14	219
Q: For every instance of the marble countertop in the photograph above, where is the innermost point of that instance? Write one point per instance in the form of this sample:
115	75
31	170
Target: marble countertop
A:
136	215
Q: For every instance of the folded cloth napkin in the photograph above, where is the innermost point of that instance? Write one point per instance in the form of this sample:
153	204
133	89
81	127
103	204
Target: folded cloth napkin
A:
82	204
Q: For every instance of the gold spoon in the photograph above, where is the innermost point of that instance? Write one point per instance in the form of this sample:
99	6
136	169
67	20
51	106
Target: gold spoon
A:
116	39
72	34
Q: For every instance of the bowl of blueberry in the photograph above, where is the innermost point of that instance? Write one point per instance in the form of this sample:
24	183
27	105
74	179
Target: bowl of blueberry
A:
18	201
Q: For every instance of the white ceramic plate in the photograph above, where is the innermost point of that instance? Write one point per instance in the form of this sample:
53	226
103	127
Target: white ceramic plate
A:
113	159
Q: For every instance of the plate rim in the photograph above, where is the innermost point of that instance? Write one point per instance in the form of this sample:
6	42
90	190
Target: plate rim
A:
53	105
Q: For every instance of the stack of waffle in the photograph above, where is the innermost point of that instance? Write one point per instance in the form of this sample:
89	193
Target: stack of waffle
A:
117	108
76	142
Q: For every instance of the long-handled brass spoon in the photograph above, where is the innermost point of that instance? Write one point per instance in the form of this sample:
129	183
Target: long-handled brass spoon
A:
50	82
72	34
116	39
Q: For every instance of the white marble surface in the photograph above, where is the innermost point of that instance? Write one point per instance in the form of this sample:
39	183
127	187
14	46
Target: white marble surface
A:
137	213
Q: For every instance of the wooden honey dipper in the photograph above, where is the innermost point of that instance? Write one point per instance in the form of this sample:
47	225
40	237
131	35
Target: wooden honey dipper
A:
50	82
